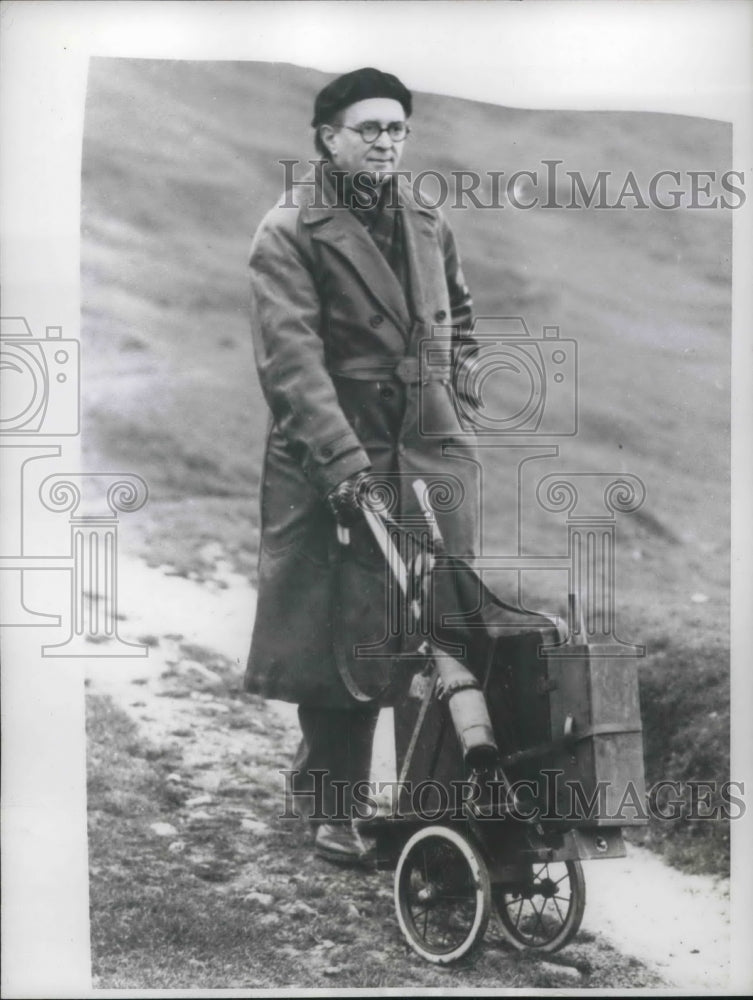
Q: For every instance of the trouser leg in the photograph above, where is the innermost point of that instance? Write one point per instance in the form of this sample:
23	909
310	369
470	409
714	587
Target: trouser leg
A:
339	743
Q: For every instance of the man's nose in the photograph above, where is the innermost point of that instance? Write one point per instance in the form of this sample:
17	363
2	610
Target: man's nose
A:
383	140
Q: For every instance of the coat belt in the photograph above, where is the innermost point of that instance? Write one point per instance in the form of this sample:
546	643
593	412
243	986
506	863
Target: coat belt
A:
375	369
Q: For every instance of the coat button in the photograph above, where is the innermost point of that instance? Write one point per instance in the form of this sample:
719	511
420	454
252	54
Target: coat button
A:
386	392
439	315
376	320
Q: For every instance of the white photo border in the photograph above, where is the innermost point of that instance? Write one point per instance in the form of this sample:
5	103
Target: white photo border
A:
669	55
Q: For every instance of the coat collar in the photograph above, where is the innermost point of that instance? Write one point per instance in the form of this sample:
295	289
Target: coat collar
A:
338	227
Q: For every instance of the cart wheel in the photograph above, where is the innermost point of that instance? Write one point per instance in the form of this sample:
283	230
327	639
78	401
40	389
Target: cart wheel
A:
442	894
544	913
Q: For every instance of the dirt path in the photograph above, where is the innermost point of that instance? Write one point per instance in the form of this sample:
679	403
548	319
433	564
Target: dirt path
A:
676	924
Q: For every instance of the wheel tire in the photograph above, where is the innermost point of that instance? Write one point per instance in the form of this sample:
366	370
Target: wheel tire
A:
442	894
546	913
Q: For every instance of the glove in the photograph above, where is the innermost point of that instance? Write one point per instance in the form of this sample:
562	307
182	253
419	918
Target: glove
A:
343	500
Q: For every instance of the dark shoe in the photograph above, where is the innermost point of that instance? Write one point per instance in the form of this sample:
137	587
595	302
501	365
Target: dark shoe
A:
341	844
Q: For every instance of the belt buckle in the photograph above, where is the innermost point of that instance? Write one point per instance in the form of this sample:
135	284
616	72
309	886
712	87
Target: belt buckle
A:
408	371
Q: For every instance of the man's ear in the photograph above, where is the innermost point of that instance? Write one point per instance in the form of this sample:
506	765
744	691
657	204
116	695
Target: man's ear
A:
327	135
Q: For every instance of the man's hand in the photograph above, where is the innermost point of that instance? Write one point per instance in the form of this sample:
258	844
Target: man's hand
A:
343	500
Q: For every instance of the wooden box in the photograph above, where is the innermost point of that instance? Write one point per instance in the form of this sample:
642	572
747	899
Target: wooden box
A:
569	720
567	724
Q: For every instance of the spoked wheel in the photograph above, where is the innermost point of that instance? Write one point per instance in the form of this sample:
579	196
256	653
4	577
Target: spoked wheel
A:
544	913
442	894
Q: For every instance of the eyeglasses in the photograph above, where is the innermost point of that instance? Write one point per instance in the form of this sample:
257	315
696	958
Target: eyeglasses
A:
371	131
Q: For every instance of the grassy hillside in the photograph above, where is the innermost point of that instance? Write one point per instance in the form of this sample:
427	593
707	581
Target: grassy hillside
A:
180	162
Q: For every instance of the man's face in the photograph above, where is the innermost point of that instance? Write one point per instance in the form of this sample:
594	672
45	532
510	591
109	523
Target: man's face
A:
347	148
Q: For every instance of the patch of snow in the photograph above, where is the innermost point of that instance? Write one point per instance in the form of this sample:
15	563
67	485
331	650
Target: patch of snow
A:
163	829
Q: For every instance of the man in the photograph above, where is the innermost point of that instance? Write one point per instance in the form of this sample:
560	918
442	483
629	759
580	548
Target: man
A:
350	275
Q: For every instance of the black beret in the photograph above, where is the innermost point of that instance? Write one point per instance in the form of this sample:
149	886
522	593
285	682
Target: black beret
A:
360	85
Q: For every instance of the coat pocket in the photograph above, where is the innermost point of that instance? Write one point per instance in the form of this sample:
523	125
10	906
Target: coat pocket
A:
368	622
293	517
440	410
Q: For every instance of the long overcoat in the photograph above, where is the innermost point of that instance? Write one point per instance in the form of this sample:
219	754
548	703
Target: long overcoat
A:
355	377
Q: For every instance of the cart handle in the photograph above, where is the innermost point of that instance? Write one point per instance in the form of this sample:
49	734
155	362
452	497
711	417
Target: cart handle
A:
421	490
378	518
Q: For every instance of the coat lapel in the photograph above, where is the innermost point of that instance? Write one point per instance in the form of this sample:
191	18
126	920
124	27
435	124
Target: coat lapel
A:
420	241
338	228
421	248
